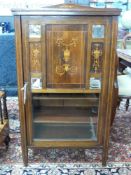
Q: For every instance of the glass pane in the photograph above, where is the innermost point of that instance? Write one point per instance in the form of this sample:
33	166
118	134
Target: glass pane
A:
34	31
65	116
64	131
98	31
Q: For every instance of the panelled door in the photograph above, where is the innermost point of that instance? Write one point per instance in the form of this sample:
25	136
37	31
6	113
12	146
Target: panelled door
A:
66	54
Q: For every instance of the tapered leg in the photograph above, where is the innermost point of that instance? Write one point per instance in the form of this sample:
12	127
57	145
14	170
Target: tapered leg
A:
104	157
127	103
1	115
5	107
119	101
25	156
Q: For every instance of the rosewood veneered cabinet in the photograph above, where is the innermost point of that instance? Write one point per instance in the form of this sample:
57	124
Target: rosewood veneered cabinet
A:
66	57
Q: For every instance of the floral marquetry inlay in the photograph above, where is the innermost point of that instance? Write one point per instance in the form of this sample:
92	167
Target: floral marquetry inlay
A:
62	69
35	57
96	57
66	55
66	66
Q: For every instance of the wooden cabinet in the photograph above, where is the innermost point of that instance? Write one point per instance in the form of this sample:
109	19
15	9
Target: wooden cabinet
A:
66	58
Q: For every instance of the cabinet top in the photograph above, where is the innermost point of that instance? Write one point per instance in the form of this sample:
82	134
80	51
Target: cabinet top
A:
68	9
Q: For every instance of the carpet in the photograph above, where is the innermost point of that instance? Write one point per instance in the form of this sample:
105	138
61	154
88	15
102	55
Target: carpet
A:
69	161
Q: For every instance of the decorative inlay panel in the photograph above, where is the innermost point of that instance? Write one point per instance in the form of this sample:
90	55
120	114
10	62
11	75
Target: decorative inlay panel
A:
66	66
96	57
66	55
35	57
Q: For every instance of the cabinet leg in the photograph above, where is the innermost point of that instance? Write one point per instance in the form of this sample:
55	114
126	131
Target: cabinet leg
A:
25	156
1	115
104	157
103	162
119	101
5	107
127	103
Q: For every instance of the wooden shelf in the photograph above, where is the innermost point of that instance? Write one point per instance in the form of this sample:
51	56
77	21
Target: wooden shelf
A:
65	115
40	96
66	100
66	91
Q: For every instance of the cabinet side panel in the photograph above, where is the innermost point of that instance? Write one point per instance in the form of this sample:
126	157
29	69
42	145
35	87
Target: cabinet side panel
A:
112	74
105	79
20	81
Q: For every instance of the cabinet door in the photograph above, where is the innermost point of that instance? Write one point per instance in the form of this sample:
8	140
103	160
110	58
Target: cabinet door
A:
63	53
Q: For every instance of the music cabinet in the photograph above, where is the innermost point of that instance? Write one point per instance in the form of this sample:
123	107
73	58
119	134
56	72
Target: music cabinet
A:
66	62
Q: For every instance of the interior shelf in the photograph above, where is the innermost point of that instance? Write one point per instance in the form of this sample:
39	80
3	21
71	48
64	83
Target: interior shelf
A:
67	100
65	115
51	90
65	96
63	132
